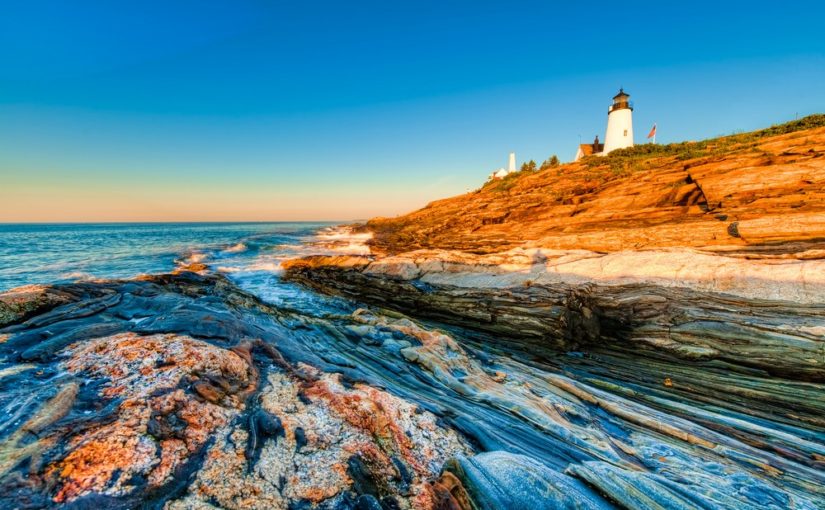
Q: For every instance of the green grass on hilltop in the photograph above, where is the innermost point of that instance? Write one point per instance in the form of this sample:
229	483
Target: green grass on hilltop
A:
625	161
506	182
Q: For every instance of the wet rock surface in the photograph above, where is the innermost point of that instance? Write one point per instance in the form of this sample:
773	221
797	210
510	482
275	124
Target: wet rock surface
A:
184	392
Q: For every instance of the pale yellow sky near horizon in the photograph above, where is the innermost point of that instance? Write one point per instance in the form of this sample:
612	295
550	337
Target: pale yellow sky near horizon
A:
62	202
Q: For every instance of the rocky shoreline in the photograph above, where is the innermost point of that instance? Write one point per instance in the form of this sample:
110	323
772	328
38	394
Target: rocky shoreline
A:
693	277
591	347
183	391
766	315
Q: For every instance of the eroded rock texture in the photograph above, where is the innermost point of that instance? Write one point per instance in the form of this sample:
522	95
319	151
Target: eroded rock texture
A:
181	391
769	316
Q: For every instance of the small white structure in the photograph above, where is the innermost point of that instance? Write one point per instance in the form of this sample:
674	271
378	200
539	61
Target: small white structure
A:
619	129
504	172
589	149
619	123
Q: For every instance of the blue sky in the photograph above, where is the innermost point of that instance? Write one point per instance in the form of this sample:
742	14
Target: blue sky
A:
259	111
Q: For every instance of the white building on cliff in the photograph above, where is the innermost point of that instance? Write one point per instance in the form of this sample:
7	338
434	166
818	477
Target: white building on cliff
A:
504	172
619	129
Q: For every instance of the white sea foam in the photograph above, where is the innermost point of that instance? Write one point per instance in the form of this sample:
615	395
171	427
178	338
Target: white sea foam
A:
343	240
195	257
78	276
264	266
237	248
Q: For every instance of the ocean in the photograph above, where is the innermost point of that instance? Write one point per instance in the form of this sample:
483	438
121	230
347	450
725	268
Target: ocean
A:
249	253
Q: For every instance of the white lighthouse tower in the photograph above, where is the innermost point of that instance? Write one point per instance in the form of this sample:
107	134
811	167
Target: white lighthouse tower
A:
619	123
511	163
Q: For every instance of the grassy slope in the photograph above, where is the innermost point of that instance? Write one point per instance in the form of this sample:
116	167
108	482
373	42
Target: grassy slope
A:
747	189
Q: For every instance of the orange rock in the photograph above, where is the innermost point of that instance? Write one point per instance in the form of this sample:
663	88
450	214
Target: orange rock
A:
158	425
662	202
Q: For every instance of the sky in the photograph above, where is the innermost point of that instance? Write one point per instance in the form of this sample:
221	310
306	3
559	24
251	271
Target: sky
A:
263	110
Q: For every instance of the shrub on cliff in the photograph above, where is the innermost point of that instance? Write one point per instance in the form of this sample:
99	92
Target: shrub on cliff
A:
551	162
623	162
503	184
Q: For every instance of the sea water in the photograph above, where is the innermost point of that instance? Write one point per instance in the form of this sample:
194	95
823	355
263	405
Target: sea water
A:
248	253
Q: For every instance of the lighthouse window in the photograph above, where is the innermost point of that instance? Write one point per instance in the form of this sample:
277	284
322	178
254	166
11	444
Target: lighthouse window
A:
625	132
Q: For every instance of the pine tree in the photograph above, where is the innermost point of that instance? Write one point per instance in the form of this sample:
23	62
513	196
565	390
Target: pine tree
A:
552	161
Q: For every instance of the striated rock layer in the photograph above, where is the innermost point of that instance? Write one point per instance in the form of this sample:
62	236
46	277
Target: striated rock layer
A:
764	315
672	298
181	391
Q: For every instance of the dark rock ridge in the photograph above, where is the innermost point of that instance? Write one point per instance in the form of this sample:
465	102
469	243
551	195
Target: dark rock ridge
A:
777	337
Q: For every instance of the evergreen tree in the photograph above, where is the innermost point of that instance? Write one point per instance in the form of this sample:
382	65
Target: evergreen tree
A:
552	161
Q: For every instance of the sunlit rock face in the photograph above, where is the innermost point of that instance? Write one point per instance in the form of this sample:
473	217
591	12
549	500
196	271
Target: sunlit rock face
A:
745	192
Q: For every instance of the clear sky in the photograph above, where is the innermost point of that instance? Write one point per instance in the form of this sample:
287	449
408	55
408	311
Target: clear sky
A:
259	110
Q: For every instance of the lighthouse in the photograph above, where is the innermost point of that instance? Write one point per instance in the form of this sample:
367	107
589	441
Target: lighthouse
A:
619	123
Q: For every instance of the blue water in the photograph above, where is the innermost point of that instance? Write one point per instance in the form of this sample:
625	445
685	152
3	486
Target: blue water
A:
247	252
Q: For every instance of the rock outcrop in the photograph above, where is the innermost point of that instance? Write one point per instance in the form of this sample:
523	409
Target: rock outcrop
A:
768	315
740	191
679	290
705	251
181	391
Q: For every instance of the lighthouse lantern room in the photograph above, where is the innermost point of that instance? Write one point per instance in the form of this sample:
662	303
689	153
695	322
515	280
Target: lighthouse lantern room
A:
619	123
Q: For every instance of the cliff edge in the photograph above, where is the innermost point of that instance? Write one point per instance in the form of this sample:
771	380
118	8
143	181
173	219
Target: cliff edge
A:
709	251
747	191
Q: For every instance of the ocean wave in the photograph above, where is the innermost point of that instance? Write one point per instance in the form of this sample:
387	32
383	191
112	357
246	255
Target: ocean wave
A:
78	276
194	257
264	266
237	248
342	239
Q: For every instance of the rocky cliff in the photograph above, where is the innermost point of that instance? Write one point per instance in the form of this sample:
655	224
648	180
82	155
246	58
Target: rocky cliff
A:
681	264
744	193
712	250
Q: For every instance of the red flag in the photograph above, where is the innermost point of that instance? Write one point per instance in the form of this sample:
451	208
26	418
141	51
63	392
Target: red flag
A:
652	132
